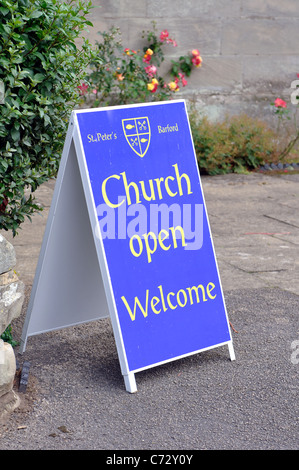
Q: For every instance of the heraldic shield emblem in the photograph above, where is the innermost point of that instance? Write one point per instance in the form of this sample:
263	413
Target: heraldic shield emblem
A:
138	134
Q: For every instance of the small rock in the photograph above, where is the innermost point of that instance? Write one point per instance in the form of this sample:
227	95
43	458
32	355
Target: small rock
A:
9	400
8	403
11	302
63	429
8	278
24	377
7	367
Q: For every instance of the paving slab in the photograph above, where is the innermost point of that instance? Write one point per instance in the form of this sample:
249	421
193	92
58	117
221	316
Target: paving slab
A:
76	398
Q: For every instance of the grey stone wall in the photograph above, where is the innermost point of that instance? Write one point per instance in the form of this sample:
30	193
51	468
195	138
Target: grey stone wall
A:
249	47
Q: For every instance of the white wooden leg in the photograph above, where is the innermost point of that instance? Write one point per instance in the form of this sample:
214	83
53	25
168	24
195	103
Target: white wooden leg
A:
130	383
22	346
231	351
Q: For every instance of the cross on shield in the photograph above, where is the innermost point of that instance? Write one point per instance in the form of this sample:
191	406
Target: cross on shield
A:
138	134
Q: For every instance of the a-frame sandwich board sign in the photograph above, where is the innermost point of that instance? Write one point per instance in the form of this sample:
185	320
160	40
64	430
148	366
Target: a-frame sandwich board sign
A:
128	237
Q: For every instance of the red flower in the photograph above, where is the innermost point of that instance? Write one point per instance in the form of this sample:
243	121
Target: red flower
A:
3	204
182	77
129	51
197	60
164	35
279	103
151	70
83	89
152	87
147	56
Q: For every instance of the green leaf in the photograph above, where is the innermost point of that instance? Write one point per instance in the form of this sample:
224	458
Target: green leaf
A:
4	10
15	134
38	77
36	14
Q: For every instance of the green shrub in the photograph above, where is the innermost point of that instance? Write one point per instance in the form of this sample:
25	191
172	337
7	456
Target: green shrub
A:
7	337
238	144
40	67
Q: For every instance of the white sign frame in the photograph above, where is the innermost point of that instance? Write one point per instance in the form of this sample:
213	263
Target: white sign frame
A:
57	269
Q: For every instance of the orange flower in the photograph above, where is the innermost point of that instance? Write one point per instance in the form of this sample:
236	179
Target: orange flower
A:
147	56
173	86
129	51
119	77
153	85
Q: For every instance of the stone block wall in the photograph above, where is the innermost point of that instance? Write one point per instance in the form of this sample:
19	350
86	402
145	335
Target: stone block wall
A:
11	301
249	47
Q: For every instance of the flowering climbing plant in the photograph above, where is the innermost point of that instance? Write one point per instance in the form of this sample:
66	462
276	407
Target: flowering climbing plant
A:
123	76
282	112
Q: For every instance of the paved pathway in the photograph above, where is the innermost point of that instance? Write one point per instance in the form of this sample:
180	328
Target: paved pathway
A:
201	402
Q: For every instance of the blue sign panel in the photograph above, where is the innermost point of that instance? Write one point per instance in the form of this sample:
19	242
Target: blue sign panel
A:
156	237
